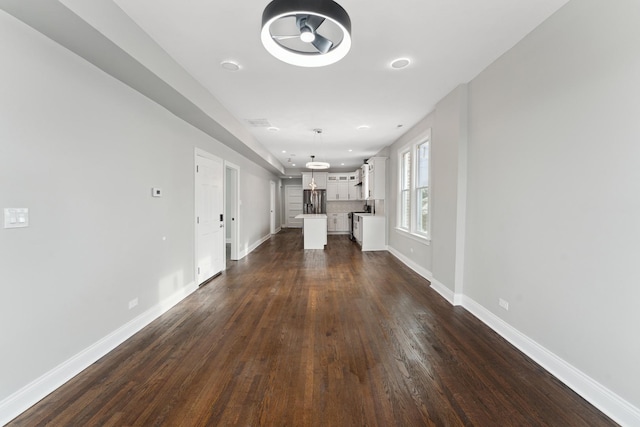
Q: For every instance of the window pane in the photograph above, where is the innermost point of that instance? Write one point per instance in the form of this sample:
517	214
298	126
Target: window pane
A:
405	209
423	210
423	164
406	171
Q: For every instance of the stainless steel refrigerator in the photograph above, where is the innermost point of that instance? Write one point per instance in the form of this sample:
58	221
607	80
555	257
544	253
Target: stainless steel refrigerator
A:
314	202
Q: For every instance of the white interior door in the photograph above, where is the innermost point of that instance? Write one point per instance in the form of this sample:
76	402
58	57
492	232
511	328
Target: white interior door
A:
293	205
209	198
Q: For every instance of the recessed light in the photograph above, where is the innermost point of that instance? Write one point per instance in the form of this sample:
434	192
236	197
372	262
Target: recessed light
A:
400	63
341	164
363	127
284	151
350	150
230	65
293	164
273	129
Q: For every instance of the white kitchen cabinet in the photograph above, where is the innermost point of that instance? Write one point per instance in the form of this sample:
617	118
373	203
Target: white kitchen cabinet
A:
314	230
369	231
319	177
337	222
354	192
337	187
343	222
364	188
357	229
376	171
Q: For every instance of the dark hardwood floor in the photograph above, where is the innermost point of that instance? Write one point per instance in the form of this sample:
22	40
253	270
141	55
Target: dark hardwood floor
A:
287	337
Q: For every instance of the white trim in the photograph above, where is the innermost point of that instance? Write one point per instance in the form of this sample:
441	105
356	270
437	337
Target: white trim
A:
235	225
412	148
417	237
411	264
35	391
243	253
446	293
614	406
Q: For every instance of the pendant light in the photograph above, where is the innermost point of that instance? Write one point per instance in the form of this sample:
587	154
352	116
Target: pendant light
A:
313	164
312	184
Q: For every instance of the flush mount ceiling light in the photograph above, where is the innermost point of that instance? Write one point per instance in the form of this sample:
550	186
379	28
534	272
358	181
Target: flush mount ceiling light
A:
306	33
230	65
400	63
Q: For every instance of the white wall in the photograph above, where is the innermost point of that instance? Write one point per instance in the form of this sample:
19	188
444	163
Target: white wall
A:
554	186
448	189
82	151
549	177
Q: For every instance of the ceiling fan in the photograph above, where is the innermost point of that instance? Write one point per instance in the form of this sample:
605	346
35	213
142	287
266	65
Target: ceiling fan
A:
306	33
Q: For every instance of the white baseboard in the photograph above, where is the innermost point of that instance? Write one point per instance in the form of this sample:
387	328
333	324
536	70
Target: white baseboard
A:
411	264
446	293
595	393
246	251
32	393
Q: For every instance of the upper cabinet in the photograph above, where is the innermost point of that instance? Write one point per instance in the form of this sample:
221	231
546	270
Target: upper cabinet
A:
342	186
319	177
374	181
337	186
355	190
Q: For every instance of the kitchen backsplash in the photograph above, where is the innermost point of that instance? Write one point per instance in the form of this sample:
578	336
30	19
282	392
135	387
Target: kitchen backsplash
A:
345	207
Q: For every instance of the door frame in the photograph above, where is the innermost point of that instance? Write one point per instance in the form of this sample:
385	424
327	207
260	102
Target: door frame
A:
233	199
198	152
272	207
286	202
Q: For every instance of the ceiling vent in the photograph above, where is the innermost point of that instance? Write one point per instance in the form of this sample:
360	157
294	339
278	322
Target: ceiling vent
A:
259	123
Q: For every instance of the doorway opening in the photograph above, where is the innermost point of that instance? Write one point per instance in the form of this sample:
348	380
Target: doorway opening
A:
232	211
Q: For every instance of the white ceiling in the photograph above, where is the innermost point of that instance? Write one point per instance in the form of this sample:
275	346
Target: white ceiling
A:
448	41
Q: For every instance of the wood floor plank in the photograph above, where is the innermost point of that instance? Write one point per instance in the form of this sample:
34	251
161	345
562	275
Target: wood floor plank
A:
288	337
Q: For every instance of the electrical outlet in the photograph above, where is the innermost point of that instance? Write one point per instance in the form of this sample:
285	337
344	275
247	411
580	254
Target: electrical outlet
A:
504	304
133	303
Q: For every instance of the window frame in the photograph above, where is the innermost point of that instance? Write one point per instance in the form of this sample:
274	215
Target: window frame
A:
402	190
412	148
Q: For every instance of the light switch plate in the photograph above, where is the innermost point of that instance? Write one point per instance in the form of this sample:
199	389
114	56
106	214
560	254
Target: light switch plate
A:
16	217
156	192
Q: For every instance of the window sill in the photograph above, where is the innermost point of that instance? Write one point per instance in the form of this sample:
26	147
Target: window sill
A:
413	236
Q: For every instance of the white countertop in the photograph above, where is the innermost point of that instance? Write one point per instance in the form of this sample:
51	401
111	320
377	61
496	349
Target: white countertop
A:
368	214
311	216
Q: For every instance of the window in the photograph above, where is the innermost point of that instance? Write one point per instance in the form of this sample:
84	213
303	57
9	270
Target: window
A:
422	188
413	205
405	190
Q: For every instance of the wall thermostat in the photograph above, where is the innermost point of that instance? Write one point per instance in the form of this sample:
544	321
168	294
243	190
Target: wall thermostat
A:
156	192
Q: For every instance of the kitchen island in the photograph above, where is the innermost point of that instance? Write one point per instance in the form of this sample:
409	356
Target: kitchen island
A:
314	230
